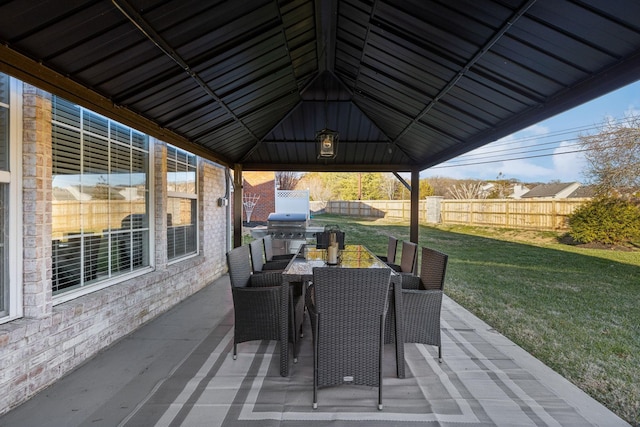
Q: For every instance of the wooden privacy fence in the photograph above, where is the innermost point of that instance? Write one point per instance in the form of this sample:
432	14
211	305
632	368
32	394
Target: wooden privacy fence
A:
534	214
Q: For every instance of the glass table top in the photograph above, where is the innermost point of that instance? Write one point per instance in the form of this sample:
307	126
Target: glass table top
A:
352	256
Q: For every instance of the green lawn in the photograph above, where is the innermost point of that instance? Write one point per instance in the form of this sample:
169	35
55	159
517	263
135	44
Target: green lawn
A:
575	309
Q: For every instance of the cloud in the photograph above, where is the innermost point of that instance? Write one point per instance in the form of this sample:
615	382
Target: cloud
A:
488	162
536	129
570	165
527	156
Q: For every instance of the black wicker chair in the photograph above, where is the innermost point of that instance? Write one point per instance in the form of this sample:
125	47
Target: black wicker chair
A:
259	266
392	247
258	262
408	259
422	300
268	251
347	307
257	302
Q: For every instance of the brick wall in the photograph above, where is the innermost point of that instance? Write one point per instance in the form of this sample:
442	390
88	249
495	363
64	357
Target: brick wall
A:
263	184
51	340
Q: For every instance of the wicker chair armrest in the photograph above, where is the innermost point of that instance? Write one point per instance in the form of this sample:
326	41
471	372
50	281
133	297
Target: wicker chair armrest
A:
266	279
251	296
276	265
427	292
395	267
422	301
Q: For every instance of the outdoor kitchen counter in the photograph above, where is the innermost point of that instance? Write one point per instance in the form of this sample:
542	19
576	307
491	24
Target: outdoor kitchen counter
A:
261	231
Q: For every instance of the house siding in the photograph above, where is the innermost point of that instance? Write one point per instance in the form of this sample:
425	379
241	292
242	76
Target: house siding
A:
51	340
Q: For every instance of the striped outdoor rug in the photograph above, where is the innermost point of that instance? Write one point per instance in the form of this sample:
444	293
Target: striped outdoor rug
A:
478	384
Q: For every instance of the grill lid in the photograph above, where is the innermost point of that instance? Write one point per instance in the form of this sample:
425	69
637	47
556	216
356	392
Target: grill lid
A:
287	217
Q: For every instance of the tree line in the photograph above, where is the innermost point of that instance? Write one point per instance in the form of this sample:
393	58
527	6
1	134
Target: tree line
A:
386	186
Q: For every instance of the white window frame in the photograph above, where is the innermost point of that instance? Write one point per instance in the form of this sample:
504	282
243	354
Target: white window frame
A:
13	177
75	293
190	196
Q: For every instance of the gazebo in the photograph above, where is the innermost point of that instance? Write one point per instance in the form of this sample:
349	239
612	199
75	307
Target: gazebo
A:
324	85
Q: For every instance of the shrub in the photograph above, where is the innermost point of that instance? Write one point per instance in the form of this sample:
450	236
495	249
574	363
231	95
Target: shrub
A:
606	220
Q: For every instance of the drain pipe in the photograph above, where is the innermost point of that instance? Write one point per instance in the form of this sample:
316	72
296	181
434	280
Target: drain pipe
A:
227	198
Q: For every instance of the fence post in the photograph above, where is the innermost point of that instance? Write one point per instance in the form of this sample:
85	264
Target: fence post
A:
506	213
434	209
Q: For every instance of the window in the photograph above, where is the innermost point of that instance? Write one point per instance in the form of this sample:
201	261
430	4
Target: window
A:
4	196
10	241
100	198
182	203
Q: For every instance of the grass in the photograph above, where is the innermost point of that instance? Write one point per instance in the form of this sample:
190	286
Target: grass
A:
575	309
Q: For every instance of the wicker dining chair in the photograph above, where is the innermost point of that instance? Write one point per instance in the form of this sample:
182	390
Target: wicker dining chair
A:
347	307
408	258
259	266
422	300
257	302
268	251
392	248
258	259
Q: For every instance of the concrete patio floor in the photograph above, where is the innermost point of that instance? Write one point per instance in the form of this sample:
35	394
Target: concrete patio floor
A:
177	371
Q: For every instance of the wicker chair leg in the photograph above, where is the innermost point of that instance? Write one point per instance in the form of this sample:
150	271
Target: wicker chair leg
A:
382	326
314	325
440	353
235	350
302	325
315	382
294	332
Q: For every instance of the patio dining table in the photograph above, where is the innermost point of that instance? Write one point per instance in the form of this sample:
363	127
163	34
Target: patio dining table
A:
300	269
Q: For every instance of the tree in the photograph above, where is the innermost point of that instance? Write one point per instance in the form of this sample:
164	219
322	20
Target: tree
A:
613	157
287	180
372	186
389	186
468	190
102	190
441	185
502	187
426	189
315	182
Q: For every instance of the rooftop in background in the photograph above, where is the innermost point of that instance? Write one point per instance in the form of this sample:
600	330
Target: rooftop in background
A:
560	190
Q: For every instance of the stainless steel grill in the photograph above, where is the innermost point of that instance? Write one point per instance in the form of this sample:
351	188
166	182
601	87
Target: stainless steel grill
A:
289	226
288	231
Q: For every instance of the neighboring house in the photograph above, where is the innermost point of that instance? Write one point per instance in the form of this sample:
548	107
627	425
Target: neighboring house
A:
584	191
260	187
552	191
485	190
262	184
518	191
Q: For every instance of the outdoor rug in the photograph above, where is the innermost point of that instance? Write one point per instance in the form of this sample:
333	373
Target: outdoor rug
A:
481	382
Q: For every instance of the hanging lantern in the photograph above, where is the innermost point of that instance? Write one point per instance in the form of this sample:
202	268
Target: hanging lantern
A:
327	144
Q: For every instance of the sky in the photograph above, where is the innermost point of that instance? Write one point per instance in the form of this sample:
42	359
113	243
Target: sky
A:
534	153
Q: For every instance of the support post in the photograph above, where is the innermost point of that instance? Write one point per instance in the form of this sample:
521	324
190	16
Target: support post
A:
237	205
415	202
